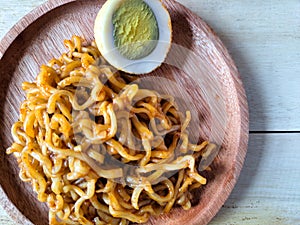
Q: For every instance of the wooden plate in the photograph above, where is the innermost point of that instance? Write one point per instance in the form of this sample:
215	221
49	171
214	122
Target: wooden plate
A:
39	36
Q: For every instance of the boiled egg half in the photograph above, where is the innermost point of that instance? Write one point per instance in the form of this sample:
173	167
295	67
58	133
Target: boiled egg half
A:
133	35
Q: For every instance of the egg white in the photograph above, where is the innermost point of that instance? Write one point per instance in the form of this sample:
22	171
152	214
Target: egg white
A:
103	30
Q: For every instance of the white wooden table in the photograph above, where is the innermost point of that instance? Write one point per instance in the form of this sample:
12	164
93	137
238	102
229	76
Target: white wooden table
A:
264	40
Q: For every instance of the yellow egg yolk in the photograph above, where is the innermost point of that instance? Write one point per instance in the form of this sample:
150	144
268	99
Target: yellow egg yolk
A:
135	29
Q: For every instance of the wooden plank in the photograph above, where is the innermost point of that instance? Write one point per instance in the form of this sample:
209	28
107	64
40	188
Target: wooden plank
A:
4	218
13	11
268	191
264	40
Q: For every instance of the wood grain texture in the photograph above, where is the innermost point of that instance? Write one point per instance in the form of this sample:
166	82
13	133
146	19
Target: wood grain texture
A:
12	11
264	40
5	219
268	191
39	36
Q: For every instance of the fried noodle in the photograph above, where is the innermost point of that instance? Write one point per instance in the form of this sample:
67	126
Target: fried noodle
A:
80	114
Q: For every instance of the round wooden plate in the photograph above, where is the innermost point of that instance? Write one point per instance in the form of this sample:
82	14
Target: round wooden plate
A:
39	36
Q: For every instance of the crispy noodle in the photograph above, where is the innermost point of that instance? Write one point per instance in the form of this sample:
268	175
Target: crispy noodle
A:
79	113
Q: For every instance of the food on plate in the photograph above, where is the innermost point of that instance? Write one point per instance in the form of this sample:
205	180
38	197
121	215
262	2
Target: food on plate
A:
135	29
97	148
133	35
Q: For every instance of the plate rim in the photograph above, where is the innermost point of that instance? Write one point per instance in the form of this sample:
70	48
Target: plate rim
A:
27	20
12	210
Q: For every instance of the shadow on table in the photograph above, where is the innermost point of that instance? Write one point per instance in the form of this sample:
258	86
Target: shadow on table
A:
245	182
256	141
